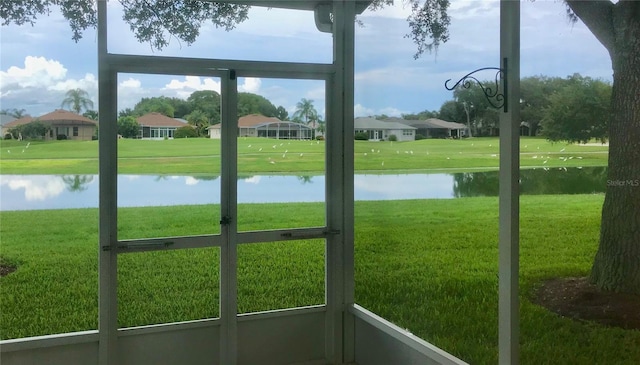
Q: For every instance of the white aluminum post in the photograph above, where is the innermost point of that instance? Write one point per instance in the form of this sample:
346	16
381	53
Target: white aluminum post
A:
228	222
508	304
108	226
340	338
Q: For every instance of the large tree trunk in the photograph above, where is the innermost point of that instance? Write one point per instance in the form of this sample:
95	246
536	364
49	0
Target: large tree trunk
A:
617	263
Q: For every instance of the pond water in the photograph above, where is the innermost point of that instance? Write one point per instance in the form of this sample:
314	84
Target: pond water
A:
30	192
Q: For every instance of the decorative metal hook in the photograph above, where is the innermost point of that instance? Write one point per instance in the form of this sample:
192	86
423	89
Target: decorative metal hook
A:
490	92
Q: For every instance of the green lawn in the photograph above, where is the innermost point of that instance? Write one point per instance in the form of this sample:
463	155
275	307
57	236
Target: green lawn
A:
427	265
260	155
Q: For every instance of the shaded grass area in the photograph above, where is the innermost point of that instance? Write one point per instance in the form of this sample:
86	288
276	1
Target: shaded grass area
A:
262	155
427	265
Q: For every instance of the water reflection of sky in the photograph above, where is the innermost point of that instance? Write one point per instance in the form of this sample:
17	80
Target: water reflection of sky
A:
28	192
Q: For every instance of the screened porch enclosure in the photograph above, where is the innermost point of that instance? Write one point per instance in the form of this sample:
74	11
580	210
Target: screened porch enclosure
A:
328	328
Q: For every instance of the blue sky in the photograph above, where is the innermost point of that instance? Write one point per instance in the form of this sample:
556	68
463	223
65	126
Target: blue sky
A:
39	64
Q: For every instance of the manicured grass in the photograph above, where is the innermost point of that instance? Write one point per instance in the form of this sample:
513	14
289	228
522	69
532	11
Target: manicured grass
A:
261	155
427	265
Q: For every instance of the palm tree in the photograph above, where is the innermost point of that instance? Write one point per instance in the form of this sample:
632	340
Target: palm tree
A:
306	110
16	113
77	99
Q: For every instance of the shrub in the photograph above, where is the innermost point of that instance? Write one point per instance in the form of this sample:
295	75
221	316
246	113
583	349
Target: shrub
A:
362	136
61	137
8	136
393	138
419	137
185	132
320	138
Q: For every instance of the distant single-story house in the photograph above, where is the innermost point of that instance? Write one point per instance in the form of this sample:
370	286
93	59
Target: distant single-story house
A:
256	125
158	126
61	123
435	128
378	130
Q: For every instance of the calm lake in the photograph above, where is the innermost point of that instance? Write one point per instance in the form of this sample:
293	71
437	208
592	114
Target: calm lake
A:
30	192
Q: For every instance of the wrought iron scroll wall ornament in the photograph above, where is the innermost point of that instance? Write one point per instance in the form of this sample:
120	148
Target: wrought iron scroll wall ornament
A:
497	100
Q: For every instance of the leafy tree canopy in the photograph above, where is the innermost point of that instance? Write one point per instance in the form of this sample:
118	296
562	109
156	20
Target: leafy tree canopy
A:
128	127
282	113
207	102
579	111
33	130
156	104
423	115
249	103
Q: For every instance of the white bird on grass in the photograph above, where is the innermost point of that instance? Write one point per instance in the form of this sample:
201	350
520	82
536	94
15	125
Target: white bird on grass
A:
382	163
545	161
249	146
260	149
301	154
562	150
284	155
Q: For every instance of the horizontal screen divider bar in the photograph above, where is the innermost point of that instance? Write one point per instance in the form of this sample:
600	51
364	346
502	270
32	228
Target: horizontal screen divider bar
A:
284	235
215	67
167	243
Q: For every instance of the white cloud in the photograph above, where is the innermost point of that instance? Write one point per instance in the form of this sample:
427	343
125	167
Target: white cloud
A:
362	111
40	85
130	83
391	111
88	83
250	85
37	72
193	83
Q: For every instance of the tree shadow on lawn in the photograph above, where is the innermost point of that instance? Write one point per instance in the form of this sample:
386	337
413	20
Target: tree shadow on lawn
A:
578	299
